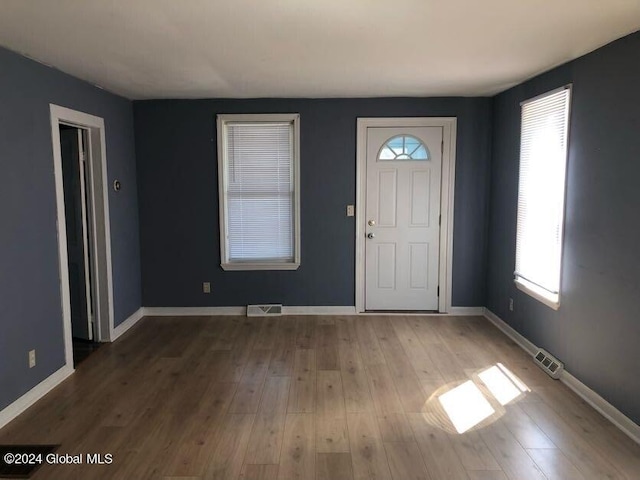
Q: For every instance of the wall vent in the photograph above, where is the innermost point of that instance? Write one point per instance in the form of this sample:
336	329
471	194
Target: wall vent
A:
550	364
264	310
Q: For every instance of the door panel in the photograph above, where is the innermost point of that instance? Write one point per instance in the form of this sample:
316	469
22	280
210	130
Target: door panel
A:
419	265
402	218
387	200
386	265
420	198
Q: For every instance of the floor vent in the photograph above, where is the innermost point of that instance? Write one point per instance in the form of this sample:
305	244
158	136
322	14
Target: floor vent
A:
548	363
263	310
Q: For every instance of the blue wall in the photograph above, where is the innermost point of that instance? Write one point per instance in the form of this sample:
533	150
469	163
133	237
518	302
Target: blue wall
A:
596	331
30	303
178	193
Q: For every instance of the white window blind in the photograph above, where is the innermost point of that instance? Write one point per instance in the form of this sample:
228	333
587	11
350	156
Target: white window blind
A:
541	194
259	192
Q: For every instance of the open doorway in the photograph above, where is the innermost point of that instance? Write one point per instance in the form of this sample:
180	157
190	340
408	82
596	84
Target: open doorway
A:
84	247
76	207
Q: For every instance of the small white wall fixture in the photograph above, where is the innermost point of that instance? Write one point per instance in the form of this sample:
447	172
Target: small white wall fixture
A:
99	228
449	125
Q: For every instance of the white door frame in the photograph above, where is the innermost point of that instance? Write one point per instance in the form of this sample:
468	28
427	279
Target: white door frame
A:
99	229
449	125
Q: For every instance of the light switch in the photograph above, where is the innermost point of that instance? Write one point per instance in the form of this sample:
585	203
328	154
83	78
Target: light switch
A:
351	211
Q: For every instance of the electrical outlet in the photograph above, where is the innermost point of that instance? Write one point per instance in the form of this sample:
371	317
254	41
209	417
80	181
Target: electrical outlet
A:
511	304
32	358
351	210
206	287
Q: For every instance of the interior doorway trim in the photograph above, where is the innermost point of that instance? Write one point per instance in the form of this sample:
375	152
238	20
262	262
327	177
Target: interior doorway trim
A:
99	228
449	125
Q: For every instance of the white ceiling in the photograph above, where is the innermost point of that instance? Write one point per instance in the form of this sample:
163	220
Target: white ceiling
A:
310	48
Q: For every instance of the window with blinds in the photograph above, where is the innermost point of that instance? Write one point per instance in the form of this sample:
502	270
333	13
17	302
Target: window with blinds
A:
541	194
258	164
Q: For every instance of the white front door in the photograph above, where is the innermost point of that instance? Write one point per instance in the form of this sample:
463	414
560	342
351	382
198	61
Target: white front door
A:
402	215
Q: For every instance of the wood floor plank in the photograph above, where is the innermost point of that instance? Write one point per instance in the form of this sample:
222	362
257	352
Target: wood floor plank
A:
298	458
259	472
265	443
594	428
283	352
368	341
405	461
305	332
587	459
333	466
394	427
512	458
202	432
554	464
250	386
346	331
327	347
332	435
223	337
355	382
473	452
383	390
331	421
282	359
426	371
368	456
302	393
487	475
267	335
330	397
525	430
403	375
227	460
275	395
440	458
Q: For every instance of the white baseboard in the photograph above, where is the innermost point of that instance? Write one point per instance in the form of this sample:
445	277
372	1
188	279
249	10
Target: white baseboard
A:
611	413
510	332
14	409
466	311
127	324
219	311
192	311
291	310
607	410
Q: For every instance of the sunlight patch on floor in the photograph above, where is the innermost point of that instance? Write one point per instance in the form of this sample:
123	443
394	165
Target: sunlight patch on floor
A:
479	399
466	406
500	385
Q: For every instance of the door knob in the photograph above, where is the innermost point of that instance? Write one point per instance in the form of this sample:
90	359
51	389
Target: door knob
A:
372	223
371	235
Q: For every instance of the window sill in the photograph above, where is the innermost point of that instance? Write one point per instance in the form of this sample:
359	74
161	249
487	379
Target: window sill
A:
551	301
259	266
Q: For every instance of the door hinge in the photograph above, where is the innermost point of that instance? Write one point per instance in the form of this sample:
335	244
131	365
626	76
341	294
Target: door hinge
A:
438	293
83	156
442	147
439	219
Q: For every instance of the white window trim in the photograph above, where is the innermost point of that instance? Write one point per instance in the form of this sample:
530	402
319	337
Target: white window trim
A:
221	121
551	300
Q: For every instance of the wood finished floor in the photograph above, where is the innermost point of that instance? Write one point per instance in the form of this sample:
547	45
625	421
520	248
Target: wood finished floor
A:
323	398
